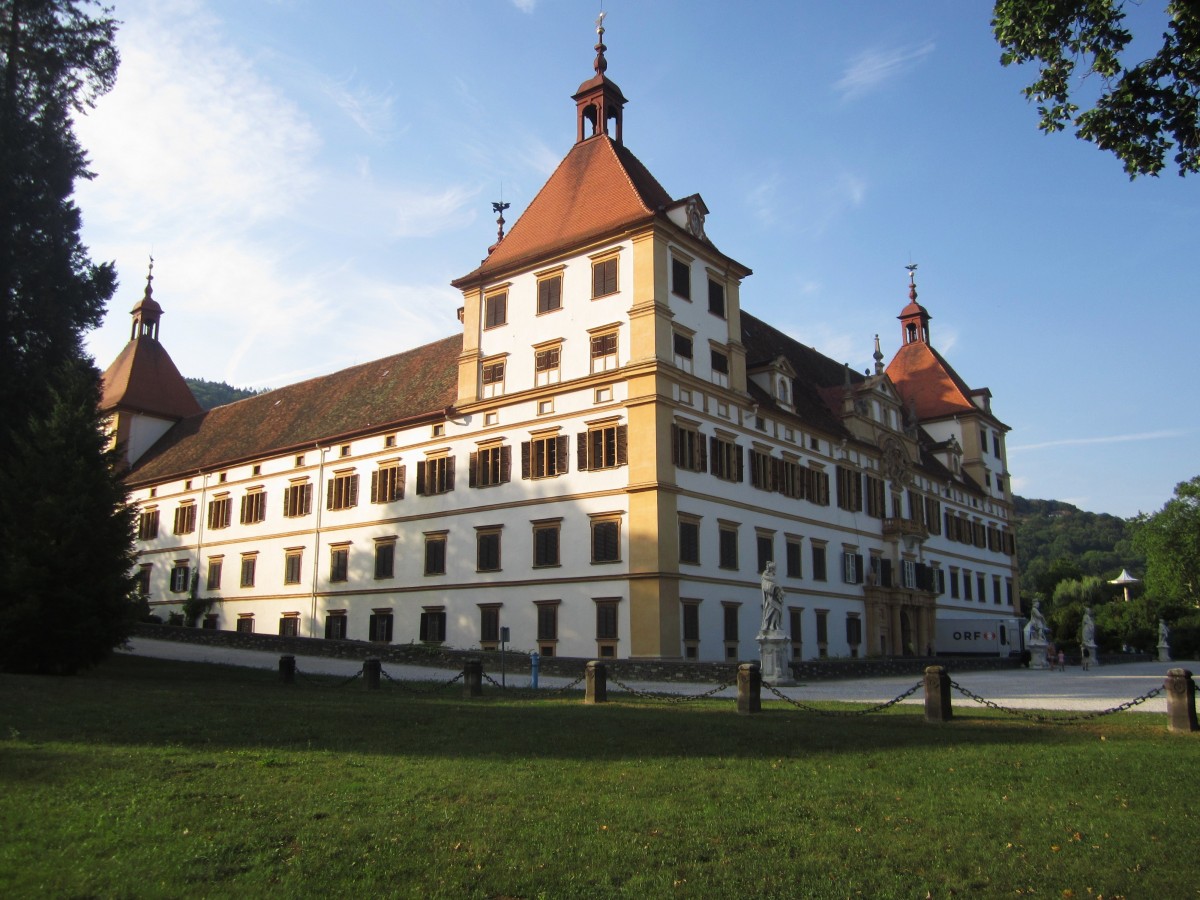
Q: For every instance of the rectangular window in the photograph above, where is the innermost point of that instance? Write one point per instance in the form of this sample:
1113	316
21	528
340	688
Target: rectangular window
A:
607	623
908	574
716	298
435	554
933	515
292	563
796	627
297	499
185	518
487	550
342	491
387	483
996	590
490	466
688	450
818	561
968	590
725	459
339	563
691	620
547	620
719	360
852	568
761	472
495	310
435	475
853	632
289	626
606	540
794	551
143	579
433	625
245	624
730	611
727	547
254	507
379	626
765	545
681	279
214	573
549	294
545	544
249	564
603	446
689	541
493	377
545	456
335	626
546	362
385	559
849	489
489	626
604	351
180	576
148	525
823	632
954	584
604	277
981	583
876	497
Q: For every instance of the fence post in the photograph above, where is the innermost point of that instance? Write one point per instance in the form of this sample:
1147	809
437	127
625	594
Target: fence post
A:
371	669
749	685
937	695
1181	700
287	669
595	683
473	678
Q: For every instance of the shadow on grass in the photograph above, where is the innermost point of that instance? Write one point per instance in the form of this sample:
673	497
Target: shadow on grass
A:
148	702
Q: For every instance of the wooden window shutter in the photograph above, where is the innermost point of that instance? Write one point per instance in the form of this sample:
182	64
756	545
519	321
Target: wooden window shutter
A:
885	573
858	568
352	499
702	447
450	473
473	470
581	444
562	454
421	486
713	449
400	477
506	463
329	494
622	445
525	459
375	486
245	498
777	478
740	454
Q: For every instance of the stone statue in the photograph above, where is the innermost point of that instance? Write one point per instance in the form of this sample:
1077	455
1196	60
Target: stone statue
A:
772	601
1035	631
1164	637
1089	628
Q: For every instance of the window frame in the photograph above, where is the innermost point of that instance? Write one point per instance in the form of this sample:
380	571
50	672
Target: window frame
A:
605	276
495	309
605	538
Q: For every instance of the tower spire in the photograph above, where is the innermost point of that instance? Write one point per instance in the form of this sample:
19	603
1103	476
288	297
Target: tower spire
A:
914	319
878	356
147	312
598	100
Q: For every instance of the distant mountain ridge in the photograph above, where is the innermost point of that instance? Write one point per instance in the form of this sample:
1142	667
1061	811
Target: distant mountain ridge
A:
217	393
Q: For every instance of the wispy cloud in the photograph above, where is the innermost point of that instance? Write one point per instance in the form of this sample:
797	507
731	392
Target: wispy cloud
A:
876	67
525	6
370	110
762	197
1106	439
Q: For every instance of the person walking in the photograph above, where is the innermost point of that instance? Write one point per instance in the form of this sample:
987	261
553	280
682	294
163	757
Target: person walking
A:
1085	656
1062	661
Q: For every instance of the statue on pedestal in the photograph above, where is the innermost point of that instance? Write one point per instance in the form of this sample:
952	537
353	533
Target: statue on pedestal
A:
1036	637
772	601
1164	638
1087	639
773	641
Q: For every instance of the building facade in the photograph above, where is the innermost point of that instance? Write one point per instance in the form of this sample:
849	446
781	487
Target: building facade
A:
602	460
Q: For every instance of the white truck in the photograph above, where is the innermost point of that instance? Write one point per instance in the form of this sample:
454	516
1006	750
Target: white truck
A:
980	636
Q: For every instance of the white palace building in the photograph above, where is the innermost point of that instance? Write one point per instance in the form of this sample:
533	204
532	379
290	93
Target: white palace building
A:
601	461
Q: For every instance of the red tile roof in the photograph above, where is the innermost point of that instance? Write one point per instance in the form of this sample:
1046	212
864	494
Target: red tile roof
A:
371	397
928	383
144	379
599	188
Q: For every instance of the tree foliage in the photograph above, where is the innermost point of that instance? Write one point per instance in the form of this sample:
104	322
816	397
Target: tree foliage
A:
217	393
65	537
1170	540
1144	108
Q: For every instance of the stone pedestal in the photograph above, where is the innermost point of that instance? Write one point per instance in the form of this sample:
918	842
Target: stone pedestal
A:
749	696
1037	654
773	649
1164	653
937	695
1181	700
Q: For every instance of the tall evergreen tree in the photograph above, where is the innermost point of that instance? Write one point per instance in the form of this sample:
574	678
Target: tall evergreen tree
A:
65	531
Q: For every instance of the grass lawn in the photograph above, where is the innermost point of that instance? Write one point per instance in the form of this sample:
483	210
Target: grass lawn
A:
150	778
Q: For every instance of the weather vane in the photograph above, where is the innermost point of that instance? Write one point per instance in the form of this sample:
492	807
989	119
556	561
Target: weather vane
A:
912	272
499	206
600	22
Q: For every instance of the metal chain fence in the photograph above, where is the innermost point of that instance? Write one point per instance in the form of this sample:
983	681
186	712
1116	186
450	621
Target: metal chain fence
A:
311	681
409	688
1055	720
668	698
845	713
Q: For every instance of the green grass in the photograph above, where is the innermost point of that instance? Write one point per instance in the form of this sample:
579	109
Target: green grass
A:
148	778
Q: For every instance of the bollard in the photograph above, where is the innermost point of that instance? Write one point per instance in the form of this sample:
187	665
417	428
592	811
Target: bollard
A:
535	660
371	669
1181	700
937	695
749	683
595	683
473	678
287	669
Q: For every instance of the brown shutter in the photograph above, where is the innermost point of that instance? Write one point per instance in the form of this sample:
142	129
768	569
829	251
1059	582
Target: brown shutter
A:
473	470
702	446
622	445
505	463
713	449
375	486
421	486
525	453
581	445
740	453
450	473
352	500
400	483
562	457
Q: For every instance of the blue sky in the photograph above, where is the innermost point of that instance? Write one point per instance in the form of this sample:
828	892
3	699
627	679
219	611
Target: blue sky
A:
310	176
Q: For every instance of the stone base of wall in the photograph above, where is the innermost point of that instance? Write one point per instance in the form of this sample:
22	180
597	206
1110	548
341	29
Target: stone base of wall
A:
517	663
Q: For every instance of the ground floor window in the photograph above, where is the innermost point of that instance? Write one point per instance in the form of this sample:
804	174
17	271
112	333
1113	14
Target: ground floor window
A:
245	623
433	625
380	626
335	626
289	625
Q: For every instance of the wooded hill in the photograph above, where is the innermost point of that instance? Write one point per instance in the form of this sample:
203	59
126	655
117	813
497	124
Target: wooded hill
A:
217	393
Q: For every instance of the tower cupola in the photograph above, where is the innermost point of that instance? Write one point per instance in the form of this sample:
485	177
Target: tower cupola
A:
914	318
599	101
147	313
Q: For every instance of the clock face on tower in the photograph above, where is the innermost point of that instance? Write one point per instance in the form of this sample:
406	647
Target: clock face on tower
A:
695	220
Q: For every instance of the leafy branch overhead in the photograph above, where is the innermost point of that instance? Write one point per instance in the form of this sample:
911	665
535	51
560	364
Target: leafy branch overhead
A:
1144	110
